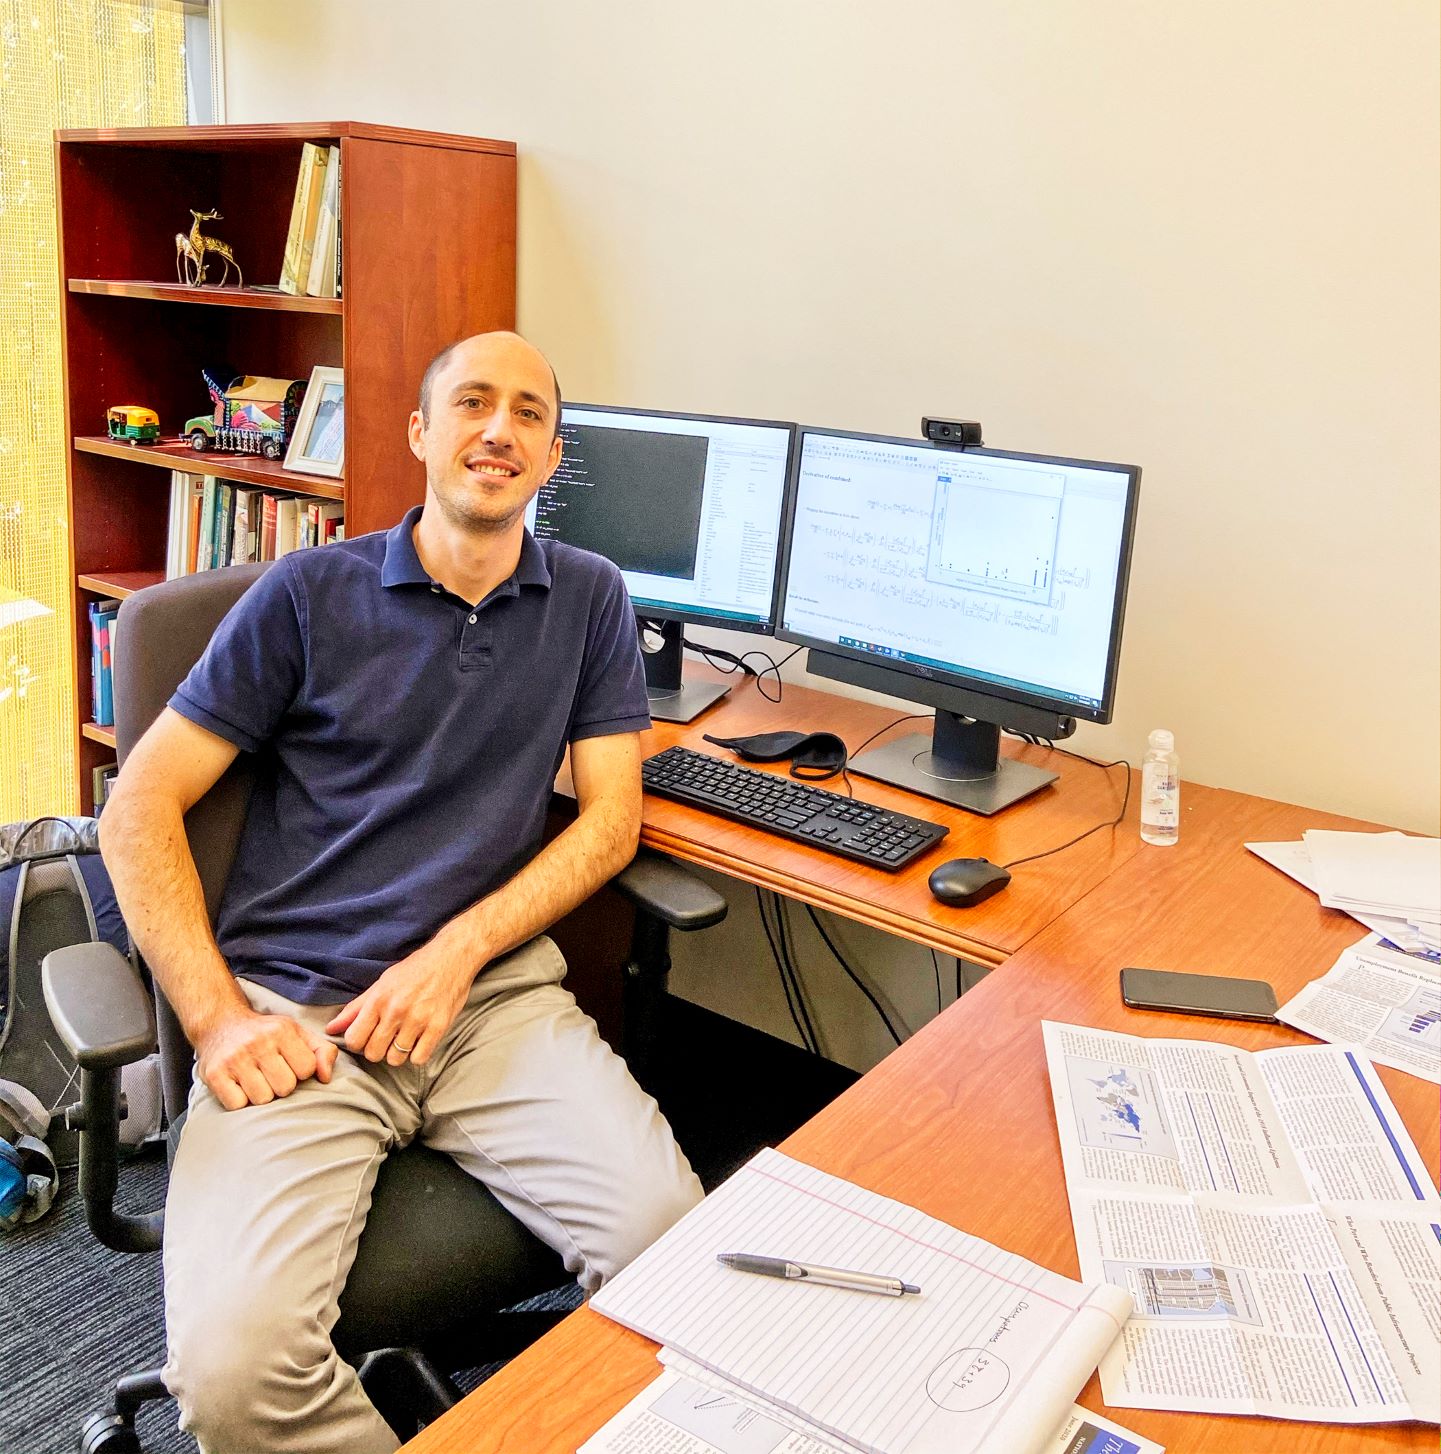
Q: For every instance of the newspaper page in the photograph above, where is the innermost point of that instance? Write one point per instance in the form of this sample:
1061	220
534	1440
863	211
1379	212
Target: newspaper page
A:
1269	1215
681	1414
1387	1002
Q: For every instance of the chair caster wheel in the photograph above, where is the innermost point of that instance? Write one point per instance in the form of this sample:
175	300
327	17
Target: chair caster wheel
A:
106	1432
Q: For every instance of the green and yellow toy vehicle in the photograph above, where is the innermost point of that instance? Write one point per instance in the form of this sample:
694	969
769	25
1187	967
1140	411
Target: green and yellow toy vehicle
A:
133	424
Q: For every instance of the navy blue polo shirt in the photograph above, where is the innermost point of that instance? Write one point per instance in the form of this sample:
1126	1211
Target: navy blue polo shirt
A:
407	743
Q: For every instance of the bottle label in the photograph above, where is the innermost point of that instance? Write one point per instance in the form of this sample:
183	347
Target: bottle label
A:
1160	796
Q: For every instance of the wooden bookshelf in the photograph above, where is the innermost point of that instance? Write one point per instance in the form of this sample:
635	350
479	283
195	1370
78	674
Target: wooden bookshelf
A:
119	584
247	469
428	246
214	297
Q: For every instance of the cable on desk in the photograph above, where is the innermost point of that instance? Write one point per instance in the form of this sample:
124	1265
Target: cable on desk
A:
1109	823
855	978
781	970
718	657
935	960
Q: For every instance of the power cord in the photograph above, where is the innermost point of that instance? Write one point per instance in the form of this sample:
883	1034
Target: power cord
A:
729	663
805	1032
1109	823
855	978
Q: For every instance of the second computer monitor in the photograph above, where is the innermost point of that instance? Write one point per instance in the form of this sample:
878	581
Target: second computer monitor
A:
990	586
690	508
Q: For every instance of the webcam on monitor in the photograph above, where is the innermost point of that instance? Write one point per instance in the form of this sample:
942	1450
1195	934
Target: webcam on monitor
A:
958	433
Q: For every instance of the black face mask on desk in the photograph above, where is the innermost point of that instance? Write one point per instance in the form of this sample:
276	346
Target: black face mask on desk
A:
814	756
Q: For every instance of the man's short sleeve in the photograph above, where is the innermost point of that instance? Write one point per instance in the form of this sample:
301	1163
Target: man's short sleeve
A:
254	667
612	697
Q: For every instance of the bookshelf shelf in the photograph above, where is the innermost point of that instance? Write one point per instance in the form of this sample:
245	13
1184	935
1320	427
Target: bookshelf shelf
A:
214	297
248	469
428	228
119	584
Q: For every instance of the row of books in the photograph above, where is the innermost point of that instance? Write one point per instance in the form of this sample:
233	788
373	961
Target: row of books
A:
312	246
215	523
102	655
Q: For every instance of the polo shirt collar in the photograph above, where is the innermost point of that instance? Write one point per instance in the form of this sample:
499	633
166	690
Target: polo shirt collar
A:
402	567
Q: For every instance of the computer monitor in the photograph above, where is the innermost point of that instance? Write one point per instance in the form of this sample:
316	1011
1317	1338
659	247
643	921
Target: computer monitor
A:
988	585
689	506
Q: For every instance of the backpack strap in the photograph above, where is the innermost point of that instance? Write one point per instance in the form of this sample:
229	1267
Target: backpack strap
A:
22	1112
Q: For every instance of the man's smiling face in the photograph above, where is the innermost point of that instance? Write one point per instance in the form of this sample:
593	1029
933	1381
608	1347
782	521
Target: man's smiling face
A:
488	436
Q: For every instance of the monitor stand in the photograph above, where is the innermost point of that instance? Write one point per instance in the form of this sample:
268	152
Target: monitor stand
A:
673	699
959	763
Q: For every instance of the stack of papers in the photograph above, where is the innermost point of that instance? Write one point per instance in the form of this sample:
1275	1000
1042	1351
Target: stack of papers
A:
1390	882
989	1356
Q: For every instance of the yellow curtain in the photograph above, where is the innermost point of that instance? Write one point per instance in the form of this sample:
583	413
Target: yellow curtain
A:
63	63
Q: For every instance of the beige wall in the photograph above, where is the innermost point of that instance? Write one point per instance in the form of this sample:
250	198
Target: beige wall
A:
1198	237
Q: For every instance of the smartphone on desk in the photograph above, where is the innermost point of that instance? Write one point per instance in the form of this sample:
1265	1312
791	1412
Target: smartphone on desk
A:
1198	994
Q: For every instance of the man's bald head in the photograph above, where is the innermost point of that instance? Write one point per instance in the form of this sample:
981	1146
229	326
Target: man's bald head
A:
437	366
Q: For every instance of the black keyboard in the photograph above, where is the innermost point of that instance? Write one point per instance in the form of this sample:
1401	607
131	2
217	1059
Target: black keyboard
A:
792	808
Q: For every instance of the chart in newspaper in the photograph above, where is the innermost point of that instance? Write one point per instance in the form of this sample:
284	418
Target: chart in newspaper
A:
1270	1217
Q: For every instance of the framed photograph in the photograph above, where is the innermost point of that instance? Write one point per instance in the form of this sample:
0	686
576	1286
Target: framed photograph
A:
317	447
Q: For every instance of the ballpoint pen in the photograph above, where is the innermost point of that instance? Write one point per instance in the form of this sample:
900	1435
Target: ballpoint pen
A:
803	1271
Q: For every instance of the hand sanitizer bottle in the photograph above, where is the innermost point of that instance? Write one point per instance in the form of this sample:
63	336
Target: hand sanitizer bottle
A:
1161	790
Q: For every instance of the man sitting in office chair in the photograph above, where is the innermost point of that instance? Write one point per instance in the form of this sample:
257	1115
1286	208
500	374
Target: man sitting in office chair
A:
378	971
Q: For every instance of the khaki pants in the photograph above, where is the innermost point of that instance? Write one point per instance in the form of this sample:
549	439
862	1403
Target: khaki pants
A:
266	1204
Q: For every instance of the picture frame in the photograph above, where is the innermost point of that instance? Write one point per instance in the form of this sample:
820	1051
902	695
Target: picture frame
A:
317	446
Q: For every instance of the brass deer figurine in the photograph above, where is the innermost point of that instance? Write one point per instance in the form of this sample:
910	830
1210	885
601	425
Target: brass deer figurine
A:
202	246
187	265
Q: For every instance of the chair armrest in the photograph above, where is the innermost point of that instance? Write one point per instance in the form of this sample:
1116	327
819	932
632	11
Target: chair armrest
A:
98	1005
670	892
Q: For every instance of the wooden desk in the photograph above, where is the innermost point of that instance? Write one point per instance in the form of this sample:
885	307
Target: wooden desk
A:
959	1120
900	903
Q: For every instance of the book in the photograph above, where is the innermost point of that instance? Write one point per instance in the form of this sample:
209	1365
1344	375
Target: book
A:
205	538
320	168
291	280
328	515
267	527
321	280
245	537
192	538
102	779
102	618
177	522
285	525
224	515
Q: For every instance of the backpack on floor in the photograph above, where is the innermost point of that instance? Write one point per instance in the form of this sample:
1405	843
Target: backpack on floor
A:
54	891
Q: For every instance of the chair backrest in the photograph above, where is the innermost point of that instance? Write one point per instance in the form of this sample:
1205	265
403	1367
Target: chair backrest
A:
162	633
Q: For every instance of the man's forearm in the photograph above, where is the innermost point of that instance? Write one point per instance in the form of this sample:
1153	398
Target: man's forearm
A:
142	837
589	853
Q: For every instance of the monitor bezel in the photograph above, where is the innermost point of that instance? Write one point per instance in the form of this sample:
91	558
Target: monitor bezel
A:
685	614
970	682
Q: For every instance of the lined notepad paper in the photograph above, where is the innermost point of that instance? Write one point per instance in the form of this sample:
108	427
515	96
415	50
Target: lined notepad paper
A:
989	1356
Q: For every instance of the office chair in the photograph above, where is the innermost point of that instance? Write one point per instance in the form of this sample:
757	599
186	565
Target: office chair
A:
440	1259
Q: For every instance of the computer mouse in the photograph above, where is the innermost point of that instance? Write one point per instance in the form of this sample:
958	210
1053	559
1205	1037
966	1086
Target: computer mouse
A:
962	882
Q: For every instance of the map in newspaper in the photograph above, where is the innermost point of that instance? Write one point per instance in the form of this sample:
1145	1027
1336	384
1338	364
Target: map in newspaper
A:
1117	1108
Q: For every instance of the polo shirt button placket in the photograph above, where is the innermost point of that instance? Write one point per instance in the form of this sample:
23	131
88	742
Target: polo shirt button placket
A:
475	643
